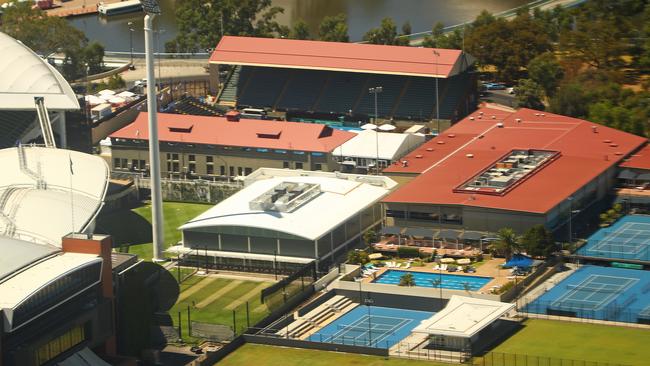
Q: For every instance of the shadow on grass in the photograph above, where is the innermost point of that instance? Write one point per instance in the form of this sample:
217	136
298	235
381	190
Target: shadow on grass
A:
126	227
503	331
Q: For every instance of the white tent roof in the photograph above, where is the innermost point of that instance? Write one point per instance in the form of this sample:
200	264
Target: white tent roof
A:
342	196
24	75
392	146
48	213
464	317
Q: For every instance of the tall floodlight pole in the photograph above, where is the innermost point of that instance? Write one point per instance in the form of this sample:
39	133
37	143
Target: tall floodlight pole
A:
131	30
437	54
376	90
152	9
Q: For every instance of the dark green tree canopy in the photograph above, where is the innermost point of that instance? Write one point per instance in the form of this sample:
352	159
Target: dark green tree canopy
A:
529	94
546	71
538	241
385	34
334	29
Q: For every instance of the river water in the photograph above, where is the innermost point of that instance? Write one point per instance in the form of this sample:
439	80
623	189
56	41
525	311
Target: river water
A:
363	15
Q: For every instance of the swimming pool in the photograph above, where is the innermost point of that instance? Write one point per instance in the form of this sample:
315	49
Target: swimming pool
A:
449	281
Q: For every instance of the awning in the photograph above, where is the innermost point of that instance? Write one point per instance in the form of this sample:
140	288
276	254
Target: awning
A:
420	232
391	230
449	234
472	235
644	176
179	249
627	174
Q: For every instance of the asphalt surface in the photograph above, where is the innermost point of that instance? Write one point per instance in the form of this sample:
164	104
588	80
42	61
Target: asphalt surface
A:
498	96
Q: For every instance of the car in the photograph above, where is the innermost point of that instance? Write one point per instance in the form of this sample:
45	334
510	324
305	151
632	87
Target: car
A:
495	86
510	90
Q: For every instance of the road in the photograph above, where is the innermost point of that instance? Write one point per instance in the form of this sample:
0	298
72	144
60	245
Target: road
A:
169	69
498	96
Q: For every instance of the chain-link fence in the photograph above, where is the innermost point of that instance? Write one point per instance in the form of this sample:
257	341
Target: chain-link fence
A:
512	359
612	312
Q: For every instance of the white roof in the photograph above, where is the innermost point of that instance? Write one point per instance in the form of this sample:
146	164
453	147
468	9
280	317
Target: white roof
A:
21	286
179	249
391	146
342	196
45	214
18	254
24	75
464	317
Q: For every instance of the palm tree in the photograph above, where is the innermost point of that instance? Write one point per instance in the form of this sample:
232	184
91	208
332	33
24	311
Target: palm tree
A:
407	280
507	244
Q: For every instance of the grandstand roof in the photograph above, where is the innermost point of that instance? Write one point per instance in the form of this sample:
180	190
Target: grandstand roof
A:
388	145
18	254
37	201
341	196
638	160
464	317
24	75
338	56
244	133
474	144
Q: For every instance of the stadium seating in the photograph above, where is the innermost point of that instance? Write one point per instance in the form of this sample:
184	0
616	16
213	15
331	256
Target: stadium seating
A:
419	100
303	90
190	105
14	124
341	93
264	88
452	96
392	86
234	84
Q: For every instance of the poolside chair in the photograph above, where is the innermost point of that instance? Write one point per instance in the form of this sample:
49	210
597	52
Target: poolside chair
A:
443	267
399	265
436	267
408	265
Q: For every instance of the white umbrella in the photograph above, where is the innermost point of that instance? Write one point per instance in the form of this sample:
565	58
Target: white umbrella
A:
116	100
105	97
106	92
387	127
91	99
369	126
126	94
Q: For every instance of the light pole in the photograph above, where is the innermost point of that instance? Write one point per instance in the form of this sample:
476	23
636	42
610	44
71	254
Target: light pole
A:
368	301
570	199
376	90
158	33
152	9
437	54
131	30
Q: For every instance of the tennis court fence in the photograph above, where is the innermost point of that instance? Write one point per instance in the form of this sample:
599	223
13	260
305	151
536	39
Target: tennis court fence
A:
514	359
618	312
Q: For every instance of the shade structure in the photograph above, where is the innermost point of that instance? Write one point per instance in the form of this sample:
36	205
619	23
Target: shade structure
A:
472	235
519	260
369	126
117	100
93	100
106	92
126	94
420	232
449	234
644	176
391	230
387	127
627	174
375	256
464	261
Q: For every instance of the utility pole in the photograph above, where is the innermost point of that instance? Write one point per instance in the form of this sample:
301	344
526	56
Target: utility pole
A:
376	90
437	54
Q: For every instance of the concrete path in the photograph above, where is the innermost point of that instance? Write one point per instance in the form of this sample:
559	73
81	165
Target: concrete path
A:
208	300
192	290
249	295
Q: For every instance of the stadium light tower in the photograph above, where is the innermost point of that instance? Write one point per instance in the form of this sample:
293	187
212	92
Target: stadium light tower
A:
376	90
437	54
151	8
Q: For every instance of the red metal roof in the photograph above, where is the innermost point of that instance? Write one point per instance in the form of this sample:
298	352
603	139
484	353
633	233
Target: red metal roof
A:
638	160
352	57
245	133
586	151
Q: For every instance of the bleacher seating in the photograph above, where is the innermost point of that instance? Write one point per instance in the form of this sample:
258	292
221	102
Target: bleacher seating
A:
392	86
234	84
265	87
317	318
14	124
452	97
303	90
419	100
193	106
341	93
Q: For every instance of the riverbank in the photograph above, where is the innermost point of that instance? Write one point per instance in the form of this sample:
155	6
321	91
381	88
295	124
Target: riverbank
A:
73	8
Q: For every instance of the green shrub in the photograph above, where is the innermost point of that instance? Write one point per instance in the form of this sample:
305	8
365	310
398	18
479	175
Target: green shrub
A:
408	252
407	280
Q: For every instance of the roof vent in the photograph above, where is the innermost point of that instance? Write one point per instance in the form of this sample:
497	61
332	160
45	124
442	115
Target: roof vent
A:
471	118
537	114
518	120
481	136
594	129
440	142
479	117
494	117
618	153
469	156
500	125
451	135
542	114
481	113
405	163
184	129
607	141
418	156
429	149
613	145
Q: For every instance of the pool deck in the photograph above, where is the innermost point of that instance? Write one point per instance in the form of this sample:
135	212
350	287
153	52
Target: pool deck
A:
489	268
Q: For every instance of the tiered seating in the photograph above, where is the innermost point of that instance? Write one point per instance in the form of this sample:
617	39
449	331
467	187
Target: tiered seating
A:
193	106
341	93
13	125
264	88
392	86
326	312
455	90
303	90
233	86
419	100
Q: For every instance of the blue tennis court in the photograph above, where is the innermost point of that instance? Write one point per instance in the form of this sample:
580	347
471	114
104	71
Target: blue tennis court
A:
629	238
444	280
371	326
603	293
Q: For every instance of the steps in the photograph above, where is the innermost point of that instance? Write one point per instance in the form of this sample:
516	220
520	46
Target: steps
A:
303	326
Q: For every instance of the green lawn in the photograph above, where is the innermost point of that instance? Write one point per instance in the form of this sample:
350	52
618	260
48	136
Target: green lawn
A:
132	228
259	355
580	341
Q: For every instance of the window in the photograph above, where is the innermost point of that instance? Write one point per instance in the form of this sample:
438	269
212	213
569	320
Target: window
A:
247	171
134	164
209	169
169	166
318	166
298	165
174	156
209	159
240	171
396	214
60	344
222	170
125	163
117	163
143	165
169	156
231	170
192	167
175	167
285	164
192	157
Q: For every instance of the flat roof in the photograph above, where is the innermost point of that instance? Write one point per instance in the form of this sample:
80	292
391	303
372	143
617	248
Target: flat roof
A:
341	197
585	149
18	254
294	136
464	317
638	160
386	145
338	56
24	75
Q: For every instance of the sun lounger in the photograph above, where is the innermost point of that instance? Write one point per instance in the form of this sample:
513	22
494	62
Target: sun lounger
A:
436	267
443	267
407	266
398	265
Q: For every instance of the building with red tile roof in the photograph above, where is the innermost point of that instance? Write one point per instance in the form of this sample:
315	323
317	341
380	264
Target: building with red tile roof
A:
216	147
499	169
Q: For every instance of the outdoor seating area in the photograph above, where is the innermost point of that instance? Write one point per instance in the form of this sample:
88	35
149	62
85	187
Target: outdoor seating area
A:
324	314
446	239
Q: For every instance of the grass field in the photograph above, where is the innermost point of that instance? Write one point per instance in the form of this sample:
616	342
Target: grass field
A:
132	228
212	300
580	341
254	354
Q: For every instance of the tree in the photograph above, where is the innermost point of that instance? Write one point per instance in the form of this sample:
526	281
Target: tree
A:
546	71
644	60
385	34
358	257
507	244
369	237
538	241
202	22
300	30
334	29
406	28
407	280
529	94
440	39
94	57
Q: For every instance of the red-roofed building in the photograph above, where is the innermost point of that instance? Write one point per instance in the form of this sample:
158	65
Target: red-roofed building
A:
499	169
330	80
198	146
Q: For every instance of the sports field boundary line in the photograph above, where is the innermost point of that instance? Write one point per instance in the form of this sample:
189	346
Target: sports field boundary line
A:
247	296
208	300
192	290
